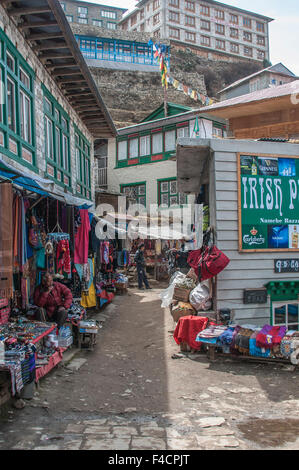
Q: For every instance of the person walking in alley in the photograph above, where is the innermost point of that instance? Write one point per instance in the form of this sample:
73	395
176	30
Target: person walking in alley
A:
140	264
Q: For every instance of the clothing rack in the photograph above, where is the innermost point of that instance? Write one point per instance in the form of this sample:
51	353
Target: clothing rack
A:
58	236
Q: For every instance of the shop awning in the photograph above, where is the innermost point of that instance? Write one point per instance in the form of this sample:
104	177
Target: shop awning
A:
38	185
18	178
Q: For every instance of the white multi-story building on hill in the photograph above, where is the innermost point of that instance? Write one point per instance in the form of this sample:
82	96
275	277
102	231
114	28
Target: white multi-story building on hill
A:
210	28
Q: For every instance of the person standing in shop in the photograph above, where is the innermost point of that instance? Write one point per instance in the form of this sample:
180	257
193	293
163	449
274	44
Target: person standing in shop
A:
140	265
54	300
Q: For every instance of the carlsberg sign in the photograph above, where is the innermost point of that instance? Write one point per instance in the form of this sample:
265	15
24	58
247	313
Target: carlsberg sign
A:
269	202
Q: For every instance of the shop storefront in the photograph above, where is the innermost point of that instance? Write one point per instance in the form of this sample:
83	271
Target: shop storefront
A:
43	232
251	190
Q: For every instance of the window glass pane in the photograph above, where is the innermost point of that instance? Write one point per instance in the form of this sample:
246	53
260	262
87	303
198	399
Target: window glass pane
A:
25	116
10	61
164	199
48	106
64	124
173	200
133	148
280	315
157	143
57	137
49	139
1	95
173	187
170	141
65	154
24	78
122	150
183	132
145	145
292	313
87	176
11	116
141	190
164	187
78	164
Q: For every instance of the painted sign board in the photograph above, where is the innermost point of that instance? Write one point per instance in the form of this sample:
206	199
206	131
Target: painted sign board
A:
286	266
255	296
268	203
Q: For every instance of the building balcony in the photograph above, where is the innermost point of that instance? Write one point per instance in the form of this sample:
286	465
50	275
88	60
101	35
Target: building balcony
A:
118	52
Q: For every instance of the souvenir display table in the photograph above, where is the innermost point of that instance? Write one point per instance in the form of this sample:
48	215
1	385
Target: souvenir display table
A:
22	345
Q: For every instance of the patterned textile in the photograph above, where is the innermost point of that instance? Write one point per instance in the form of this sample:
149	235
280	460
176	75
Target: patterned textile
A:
211	334
226	337
254	350
270	336
6	245
82	239
289	343
242	340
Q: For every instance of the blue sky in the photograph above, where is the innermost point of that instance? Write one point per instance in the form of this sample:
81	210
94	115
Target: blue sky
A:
284	31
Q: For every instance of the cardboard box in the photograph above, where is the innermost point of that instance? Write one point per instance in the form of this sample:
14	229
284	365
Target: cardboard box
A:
181	294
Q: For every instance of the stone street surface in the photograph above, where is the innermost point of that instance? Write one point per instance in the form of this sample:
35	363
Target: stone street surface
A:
130	394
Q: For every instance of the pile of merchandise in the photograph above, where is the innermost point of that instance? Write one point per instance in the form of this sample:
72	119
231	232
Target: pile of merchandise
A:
273	342
186	297
195	288
22	344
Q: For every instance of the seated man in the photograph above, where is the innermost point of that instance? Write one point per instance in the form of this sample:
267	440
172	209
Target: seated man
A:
54	299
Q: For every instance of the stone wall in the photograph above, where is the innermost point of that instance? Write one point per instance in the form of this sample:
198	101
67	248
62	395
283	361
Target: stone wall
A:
131	95
43	77
89	30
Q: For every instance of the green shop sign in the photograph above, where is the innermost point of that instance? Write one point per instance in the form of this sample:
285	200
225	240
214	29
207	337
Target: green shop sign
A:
268	203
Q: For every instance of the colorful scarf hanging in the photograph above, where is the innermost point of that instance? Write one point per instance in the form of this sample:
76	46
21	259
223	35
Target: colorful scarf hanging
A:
6	240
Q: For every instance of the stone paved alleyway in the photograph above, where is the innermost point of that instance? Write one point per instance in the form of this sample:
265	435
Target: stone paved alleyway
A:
130	394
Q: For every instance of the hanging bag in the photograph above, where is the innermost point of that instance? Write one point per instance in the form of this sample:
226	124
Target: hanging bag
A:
213	262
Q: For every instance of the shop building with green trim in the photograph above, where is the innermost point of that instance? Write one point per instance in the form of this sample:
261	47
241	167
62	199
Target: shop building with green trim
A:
50	109
142	159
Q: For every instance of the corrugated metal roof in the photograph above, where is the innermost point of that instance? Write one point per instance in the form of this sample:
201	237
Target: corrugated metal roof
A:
262	95
249	77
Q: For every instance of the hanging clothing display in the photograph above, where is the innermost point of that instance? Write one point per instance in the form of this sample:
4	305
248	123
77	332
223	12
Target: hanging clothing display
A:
6	230
89	300
82	239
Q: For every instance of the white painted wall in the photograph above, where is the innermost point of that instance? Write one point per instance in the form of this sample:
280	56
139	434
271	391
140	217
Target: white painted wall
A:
246	270
150	173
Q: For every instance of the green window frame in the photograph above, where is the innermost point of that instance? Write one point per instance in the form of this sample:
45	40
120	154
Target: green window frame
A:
96	22
57	141
136	190
286	313
17	118
83	166
168	195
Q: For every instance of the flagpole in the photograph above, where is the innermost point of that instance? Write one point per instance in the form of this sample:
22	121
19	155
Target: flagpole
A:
165	101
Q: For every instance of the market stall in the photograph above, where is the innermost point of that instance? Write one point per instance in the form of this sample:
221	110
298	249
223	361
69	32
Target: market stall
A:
251	189
43	234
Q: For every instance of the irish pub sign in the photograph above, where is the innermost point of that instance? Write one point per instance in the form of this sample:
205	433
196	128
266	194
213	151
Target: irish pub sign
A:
268	203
